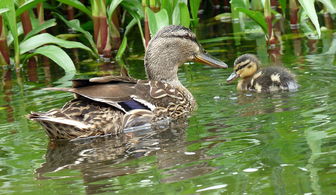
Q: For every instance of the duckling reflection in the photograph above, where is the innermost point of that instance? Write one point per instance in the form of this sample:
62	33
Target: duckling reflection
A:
269	79
103	158
252	104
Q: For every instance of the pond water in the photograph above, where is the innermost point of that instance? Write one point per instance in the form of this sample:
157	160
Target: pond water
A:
235	143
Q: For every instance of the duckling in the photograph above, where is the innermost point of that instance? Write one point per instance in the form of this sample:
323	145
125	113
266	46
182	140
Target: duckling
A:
269	79
107	105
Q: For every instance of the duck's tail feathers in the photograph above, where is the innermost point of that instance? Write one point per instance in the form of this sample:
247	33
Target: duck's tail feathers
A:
42	117
59	89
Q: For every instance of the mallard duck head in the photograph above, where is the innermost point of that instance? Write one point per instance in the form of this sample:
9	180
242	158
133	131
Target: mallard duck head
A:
171	47
244	66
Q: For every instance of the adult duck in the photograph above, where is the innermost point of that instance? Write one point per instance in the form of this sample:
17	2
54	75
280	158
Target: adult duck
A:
107	105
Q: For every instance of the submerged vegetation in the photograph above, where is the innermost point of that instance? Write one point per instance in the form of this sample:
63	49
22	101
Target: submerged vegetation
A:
101	27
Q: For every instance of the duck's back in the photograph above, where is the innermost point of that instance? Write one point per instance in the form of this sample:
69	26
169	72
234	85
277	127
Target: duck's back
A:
273	78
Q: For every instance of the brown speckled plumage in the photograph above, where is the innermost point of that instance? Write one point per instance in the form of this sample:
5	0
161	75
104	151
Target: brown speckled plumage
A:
107	105
268	79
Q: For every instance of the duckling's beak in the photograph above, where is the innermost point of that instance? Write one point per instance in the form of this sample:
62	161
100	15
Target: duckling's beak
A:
209	60
232	77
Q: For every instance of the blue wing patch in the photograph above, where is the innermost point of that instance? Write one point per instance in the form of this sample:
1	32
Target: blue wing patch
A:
132	105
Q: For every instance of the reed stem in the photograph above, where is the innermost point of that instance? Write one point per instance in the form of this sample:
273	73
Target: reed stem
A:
26	23
4	50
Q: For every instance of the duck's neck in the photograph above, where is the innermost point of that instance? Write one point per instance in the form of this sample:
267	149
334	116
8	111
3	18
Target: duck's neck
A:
158	69
166	71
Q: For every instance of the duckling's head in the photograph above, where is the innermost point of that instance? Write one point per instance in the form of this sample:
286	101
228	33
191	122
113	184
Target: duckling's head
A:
171	47
244	66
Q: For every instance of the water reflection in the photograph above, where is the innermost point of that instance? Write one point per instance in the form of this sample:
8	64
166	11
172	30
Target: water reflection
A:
7	93
102	158
255	104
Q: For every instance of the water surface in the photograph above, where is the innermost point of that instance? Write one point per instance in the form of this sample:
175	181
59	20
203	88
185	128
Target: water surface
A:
282	143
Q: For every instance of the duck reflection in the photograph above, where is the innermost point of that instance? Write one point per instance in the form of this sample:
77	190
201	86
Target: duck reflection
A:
255	104
103	158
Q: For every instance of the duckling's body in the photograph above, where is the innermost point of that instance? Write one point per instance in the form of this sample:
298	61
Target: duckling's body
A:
107	105
269	79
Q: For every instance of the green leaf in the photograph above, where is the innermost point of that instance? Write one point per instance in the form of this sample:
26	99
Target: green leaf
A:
123	45
307	27
157	20
57	55
28	5
122	48
184	15
133	7
308	6
41	27
114	4
329	6
45	38
75	25
10	17
194	6
283	4
3	10
169	6
181	15
77	4
216	39
257	16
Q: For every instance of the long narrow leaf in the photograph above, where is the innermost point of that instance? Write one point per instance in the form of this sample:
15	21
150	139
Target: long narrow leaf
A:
308	6
114	4
329	6
3	10
45	38
194	6
256	16
157	20
122	48
283	4
75	25
11	21
133	6
57	55
77	4
123	45
184	15
28	5
41	27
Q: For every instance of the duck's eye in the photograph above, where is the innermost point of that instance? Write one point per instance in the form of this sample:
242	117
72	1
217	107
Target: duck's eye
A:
249	66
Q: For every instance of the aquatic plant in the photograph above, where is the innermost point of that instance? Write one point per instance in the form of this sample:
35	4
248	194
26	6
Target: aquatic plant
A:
303	9
28	38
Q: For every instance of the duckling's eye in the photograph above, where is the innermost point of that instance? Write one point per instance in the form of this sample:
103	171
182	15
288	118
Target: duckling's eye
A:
249	66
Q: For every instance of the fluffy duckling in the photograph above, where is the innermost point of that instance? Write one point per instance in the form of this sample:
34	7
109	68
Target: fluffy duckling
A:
269	79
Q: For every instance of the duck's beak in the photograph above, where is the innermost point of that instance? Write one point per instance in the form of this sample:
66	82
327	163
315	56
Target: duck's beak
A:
209	60
232	77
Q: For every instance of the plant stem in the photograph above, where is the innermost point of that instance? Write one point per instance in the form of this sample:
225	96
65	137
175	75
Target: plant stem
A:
328	20
293	14
40	14
70	13
4	51
226	6
26	23
100	25
146	26
274	4
268	18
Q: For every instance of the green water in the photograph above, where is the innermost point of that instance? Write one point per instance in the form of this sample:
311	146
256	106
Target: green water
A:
235	143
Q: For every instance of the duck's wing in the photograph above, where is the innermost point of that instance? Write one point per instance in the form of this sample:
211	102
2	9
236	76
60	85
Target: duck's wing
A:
125	93
113	90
